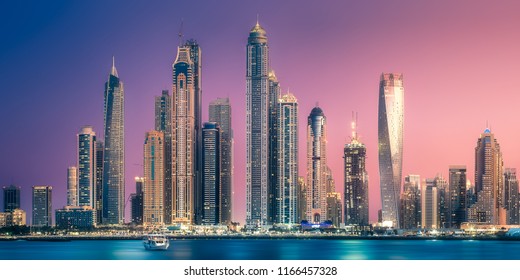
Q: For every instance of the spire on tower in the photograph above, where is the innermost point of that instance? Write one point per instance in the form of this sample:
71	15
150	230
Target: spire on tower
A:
113	72
180	32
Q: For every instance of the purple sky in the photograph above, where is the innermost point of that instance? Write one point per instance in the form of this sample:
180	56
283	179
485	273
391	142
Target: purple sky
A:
459	60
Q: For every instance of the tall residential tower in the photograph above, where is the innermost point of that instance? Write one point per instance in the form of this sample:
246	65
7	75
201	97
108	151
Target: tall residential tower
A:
390	136
316	167
220	112
257	128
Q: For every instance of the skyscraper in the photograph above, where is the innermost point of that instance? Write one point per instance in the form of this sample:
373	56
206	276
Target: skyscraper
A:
257	128
286	191
114	154
443	201
220	112
316	167
86	167
356	182
390	136
42	206
153	186
195	56
411	203
11	198
273	164
136	200
430	205
511	196
488	182
457	196
72	186
334	207
100	149
184	137
163	119
211	175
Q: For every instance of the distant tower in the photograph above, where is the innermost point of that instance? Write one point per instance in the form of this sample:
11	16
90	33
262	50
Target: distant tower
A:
443	201
195	57
286	192
257	128
72	186
42	206
136	200
163	119
114	154
488	182
457	196
100	150
334	206
430	205
153	186
356	182
316	167
411	203
184	139
302	198
211	175
390	136
220	113
511	196
273	189
86	167
11	198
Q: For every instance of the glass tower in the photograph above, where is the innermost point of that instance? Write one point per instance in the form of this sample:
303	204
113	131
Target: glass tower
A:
286	195
390	136
211	179
114	155
257	128
220	112
11	198
42	206
457	196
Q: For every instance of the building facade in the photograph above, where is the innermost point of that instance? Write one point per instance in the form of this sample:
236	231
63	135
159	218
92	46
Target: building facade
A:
511	196
42	206
457	196
390	138
114	151
316	167
411	203
153	186
488	182
430	205
286	187
75	217
184	137
136	201
211	175
220	113
100	150
257	128
163	119
334	207
86	167
72	186
356	182
11	198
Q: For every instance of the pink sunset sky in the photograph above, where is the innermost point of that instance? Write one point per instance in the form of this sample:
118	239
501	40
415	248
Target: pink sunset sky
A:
460	61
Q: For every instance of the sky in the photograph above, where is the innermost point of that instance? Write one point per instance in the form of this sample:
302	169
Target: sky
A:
459	60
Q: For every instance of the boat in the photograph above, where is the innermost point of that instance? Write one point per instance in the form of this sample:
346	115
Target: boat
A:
156	242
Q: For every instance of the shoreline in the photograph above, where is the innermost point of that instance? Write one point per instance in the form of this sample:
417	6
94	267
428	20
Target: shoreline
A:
256	237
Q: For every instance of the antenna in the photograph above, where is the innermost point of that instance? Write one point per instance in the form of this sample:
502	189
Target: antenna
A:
180	32
257	19
354	125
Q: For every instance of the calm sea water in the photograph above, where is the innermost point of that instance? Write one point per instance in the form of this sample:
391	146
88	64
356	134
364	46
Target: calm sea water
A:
264	250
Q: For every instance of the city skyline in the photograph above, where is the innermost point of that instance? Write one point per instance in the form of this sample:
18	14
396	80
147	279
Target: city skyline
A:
469	71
